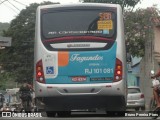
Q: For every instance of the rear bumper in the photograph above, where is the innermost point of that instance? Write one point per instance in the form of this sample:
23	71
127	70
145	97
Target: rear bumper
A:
67	103
98	89
136	104
64	97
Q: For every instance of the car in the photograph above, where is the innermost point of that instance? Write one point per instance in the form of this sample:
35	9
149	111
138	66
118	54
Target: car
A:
8	108
135	98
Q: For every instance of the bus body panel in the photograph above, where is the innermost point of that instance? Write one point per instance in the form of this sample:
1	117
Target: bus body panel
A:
58	82
93	65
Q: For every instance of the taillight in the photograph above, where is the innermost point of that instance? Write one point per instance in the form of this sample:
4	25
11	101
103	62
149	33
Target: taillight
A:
39	72
118	71
142	95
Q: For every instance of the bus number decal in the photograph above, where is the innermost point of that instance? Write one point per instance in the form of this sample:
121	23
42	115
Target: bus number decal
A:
105	16
105	22
98	70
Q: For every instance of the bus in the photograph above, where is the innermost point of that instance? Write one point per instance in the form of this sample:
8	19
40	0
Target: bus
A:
80	57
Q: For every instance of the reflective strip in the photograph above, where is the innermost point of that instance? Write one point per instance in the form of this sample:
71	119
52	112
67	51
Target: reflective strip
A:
79	45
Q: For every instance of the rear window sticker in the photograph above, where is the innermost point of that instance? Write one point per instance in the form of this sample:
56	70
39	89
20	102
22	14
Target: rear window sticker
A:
105	21
105	24
105	31
49	70
105	16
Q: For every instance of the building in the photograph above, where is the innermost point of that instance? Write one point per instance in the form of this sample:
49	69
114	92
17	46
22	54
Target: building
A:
133	71
12	96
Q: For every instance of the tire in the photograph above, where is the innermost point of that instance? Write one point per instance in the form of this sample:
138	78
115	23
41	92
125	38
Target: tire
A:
137	109
27	106
152	107
143	108
115	113
64	114
36	110
156	112
110	113
50	114
152	104
118	111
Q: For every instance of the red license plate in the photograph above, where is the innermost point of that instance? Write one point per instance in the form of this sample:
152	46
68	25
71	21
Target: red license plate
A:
79	79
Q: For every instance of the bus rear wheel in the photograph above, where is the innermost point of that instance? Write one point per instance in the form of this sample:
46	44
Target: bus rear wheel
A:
64	114
50	114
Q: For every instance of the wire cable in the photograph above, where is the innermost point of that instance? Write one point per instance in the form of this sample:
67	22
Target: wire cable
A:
10	7
19	2
3	2
13	5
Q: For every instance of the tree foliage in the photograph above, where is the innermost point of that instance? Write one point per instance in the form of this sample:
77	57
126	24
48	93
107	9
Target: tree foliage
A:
3	26
18	59
123	3
8	77
138	24
138	29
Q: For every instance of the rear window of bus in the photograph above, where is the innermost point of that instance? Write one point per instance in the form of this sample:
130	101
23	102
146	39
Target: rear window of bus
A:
99	23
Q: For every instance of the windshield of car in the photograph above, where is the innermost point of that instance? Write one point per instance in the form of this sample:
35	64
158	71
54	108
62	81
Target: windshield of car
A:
133	90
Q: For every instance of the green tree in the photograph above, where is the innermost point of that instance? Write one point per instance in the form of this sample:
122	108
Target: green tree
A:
18	59
123	3
138	24
4	78
3	26
138	29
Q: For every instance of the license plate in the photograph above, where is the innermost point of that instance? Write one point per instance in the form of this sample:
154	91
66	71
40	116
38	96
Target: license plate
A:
79	79
131	102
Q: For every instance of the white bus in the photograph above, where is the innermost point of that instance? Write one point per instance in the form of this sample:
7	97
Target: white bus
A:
80	57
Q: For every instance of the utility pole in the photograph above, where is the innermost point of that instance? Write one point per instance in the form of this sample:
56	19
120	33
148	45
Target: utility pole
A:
148	63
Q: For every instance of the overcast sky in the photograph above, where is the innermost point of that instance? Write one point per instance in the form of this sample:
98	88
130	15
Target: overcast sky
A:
11	8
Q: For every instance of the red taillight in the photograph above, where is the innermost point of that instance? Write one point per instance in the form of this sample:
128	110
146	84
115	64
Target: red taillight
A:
142	95
118	71
39	72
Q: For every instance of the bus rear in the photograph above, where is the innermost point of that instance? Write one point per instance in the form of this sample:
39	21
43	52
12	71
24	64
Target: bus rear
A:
80	57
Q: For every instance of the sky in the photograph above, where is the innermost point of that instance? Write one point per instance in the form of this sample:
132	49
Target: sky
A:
9	9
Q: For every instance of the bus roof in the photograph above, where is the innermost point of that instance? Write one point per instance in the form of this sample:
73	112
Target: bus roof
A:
79	5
